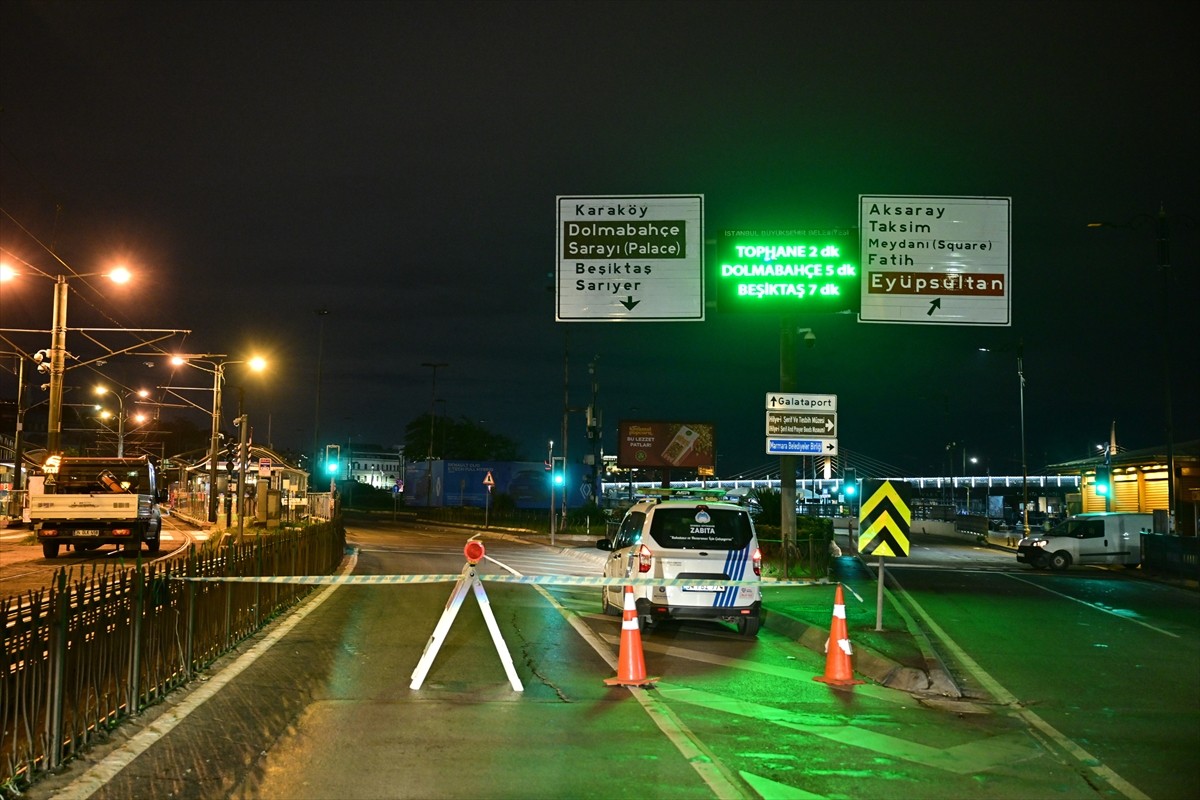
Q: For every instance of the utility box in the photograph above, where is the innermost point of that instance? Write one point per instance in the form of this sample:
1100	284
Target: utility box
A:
274	507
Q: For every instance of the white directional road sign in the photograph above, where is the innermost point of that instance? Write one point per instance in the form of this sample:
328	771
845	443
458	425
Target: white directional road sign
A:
630	258
779	401
801	424
935	260
791	446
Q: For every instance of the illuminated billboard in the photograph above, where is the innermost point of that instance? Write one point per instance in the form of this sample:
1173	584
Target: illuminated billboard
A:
688	445
788	271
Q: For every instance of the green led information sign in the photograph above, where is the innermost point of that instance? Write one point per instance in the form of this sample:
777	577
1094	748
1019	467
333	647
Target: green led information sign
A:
797	271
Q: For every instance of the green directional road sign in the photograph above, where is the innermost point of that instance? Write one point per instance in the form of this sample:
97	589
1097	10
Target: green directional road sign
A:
884	518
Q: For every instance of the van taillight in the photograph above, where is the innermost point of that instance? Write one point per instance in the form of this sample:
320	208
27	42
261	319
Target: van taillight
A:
756	560
644	558
121	531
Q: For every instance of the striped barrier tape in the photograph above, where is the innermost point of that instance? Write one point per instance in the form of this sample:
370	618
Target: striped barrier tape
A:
544	580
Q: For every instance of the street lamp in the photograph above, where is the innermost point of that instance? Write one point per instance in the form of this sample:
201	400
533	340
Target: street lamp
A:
102	390
1024	461
429	458
967	480
53	360
217	370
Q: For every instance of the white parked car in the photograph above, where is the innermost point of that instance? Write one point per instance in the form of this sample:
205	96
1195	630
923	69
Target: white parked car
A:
680	536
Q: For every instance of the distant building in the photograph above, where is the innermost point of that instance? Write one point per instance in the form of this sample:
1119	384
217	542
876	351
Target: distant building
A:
373	465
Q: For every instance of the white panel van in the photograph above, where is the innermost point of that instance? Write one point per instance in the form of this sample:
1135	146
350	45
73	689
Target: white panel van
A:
1101	537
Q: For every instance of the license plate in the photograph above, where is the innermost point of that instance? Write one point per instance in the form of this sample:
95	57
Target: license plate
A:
87	533
704	588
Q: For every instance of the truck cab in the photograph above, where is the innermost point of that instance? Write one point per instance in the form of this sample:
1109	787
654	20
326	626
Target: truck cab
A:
1101	537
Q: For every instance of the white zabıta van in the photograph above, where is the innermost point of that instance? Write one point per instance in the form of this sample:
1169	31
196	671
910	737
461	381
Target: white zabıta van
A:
681	536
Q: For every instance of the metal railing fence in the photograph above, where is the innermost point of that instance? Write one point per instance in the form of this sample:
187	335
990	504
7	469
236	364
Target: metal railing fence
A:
84	654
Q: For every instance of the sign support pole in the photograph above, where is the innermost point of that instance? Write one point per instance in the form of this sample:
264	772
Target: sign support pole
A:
879	599
787	463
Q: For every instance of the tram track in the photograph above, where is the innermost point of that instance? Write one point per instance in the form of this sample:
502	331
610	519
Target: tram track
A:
23	568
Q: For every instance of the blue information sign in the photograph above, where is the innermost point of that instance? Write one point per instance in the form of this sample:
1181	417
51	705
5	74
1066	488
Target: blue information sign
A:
787	446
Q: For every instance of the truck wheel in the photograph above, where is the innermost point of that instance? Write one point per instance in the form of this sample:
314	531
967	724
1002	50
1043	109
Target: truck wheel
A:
1060	561
50	549
153	544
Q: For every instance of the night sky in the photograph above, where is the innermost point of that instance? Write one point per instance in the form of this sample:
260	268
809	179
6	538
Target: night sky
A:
397	164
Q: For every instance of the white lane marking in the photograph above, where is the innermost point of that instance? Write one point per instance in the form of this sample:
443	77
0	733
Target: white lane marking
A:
107	768
1097	607
704	761
1006	697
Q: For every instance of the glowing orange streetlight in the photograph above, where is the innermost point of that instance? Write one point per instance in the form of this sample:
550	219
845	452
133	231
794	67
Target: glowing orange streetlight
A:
53	360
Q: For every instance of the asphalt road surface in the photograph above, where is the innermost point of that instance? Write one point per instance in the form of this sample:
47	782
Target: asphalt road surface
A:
319	705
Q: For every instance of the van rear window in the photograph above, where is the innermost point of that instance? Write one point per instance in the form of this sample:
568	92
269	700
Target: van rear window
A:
700	528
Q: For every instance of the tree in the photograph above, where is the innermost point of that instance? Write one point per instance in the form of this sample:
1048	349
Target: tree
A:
458	439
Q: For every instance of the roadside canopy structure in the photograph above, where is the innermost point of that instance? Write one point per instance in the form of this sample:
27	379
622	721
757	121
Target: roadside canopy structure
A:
267	475
1138	481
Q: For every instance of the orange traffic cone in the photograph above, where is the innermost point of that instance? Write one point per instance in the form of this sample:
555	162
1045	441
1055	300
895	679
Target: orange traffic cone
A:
838	671
631	665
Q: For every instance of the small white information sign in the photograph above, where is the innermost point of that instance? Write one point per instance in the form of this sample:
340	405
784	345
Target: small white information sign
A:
630	258
782	401
933	260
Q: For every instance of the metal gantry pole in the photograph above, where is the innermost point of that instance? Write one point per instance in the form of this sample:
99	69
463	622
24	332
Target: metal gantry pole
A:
243	457
120	425
787	463
58	355
214	444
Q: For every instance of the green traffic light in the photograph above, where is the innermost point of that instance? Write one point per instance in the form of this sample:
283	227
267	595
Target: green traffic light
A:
850	490
331	467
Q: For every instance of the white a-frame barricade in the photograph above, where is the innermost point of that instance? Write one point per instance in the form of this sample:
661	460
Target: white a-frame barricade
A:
468	579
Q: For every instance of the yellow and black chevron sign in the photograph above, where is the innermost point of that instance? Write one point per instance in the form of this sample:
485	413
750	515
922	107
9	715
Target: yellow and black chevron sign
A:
884	519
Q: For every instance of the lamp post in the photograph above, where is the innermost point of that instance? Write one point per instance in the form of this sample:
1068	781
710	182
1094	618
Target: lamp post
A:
429	457
102	390
53	360
1021	402
217	370
1024	461
967	480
